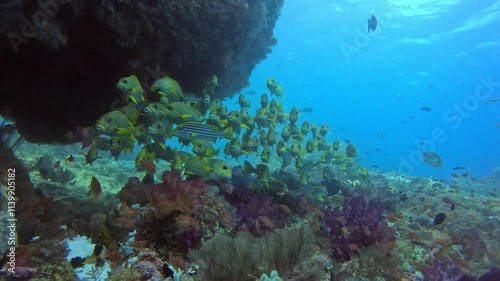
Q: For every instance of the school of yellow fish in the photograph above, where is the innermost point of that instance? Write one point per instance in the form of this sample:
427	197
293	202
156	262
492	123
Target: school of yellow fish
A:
155	119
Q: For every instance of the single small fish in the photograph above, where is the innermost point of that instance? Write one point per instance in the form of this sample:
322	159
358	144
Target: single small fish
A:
439	218
190	97
351	150
91	155
148	166
212	169
492	100
56	165
94	188
193	130
87	135
155	111
459	168
204	148
131	87
317	193
432	158
452	207
265	154
372	23
426	108
168	88
243	102
264	100
306	109
211	84
275	89
261	170
294	115
114	123
336	145
69	158
250	92
179	112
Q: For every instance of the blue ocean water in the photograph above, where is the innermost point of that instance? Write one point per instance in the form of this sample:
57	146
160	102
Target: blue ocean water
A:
369	87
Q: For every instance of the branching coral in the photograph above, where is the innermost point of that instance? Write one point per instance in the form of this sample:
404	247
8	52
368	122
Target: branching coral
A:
358	224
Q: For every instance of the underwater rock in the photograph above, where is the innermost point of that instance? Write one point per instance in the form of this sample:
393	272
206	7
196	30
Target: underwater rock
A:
73	52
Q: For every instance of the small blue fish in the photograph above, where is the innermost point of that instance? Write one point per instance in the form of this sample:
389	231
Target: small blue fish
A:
372	23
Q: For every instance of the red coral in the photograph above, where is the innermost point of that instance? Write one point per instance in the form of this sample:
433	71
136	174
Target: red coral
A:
177	194
172	219
173	192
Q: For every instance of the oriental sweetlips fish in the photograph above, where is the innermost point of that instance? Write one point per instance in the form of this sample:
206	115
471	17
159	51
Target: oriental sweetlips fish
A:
372	23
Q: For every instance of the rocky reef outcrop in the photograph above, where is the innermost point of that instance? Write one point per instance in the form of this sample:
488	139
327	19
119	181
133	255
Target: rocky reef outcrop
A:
61	59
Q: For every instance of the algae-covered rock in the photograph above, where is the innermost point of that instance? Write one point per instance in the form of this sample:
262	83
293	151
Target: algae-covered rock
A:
64	57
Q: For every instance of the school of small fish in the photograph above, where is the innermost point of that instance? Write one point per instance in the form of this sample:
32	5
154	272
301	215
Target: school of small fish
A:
154	119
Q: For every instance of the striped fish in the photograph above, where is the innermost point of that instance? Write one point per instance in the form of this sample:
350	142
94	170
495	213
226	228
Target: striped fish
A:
192	130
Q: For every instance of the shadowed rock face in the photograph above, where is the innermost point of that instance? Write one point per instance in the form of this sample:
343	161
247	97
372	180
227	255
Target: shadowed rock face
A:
61	73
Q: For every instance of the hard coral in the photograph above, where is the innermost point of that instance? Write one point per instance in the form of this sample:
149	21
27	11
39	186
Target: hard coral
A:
358	224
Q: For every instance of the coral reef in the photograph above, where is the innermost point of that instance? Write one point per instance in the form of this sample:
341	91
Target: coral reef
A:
244	256
93	43
178	215
54	173
254	212
358	224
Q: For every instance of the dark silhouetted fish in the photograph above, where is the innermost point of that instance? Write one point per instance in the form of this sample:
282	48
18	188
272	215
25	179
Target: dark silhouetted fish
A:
493	99
372	23
249	92
439	218
432	158
426	108
306	109
459	168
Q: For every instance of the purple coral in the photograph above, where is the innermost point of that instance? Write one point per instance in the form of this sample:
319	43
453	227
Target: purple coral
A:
254	209
443	270
358	224
492	275
192	238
